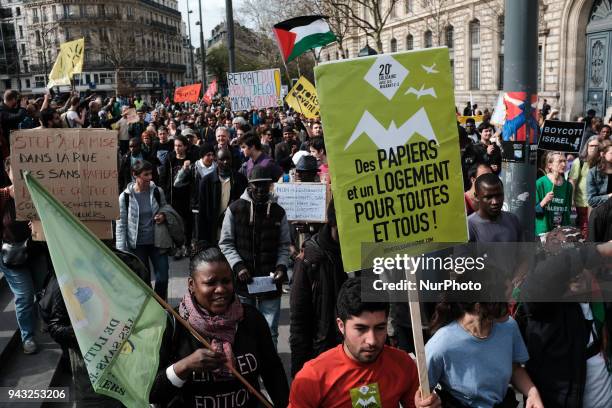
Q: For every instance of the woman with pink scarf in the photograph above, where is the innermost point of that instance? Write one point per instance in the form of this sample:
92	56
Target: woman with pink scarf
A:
190	375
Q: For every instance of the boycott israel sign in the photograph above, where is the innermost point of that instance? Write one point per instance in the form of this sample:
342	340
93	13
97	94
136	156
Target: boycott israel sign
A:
393	155
254	89
562	136
77	166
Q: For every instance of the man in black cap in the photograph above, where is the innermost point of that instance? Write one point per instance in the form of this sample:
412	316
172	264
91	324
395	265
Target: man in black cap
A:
255	240
307	170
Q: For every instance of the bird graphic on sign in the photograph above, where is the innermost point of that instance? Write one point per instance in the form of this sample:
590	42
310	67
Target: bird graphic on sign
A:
421	92
430	70
393	136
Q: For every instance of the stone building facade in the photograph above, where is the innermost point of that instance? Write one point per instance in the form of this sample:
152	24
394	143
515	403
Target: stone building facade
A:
574	37
135	46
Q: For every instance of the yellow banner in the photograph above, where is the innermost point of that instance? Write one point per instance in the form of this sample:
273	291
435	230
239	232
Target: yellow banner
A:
303	98
69	62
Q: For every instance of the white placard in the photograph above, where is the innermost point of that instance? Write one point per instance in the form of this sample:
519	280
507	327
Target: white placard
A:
303	201
261	284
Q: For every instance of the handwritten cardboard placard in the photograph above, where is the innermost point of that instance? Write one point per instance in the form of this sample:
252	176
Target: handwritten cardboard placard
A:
132	116
101	229
77	166
304	202
254	89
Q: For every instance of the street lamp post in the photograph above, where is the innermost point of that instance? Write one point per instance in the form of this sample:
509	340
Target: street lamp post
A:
202	47
229	23
190	47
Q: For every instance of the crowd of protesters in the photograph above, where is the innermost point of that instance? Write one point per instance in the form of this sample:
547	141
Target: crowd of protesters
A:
195	180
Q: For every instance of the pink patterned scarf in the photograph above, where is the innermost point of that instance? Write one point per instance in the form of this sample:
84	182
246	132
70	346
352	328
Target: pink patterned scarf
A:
219	330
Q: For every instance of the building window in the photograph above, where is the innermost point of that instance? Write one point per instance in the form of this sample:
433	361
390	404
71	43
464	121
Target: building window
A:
83	10
39	81
28	82
43	14
452	66
34	16
475	34
393	12
428	39
17	11
500	29
409	42
38	43
449	35
500	57
393	45
408	6
23	49
540	54
475	54
475	73
25	66
66	10
500	80
21	32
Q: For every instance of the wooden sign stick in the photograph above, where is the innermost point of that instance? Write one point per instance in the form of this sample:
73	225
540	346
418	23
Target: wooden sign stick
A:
417	336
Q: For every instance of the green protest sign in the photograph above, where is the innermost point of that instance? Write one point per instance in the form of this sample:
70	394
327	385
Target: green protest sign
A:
393	150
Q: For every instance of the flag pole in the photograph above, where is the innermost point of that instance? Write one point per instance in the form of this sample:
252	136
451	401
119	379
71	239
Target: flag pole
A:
202	340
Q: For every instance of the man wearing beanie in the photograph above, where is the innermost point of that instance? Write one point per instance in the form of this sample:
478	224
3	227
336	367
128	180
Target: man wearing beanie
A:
255	240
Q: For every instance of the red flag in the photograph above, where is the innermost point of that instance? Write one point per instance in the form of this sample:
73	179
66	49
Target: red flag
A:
210	92
189	93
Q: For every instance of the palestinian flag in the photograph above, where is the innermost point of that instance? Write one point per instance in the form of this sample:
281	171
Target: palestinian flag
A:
300	34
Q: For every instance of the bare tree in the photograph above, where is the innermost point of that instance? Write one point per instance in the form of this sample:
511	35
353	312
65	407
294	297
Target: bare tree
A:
437	18
118	46
371	16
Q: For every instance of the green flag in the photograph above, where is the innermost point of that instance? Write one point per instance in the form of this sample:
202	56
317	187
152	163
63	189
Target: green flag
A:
118	324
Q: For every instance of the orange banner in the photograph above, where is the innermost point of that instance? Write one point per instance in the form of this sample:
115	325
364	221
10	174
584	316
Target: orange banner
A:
189	93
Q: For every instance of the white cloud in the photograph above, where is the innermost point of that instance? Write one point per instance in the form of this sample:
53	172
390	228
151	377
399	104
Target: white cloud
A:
213	13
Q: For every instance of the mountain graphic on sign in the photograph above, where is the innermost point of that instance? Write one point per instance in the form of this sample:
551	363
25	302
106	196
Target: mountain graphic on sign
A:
367	402
393	136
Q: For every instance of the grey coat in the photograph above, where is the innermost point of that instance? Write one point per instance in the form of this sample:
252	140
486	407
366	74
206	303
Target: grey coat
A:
170	233
126	229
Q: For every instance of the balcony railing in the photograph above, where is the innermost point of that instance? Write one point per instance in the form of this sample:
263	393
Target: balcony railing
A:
163	27
161	7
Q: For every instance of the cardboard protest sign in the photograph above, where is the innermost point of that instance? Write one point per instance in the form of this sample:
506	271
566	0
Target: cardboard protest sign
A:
561	136
303	98
78	166
306	202
101	229
189	93
132	116
254	89
477	118
393	156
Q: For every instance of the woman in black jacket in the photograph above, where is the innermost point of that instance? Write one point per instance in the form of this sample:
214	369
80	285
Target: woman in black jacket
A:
190	375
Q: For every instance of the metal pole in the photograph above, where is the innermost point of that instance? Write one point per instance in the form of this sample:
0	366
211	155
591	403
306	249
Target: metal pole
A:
521	79
229	26
202	47
190	47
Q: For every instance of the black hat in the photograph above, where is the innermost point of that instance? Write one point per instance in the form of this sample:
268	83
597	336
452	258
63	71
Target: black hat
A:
307	163
288	129
260	173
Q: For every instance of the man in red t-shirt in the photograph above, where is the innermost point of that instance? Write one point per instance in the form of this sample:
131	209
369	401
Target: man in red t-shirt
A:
362	371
